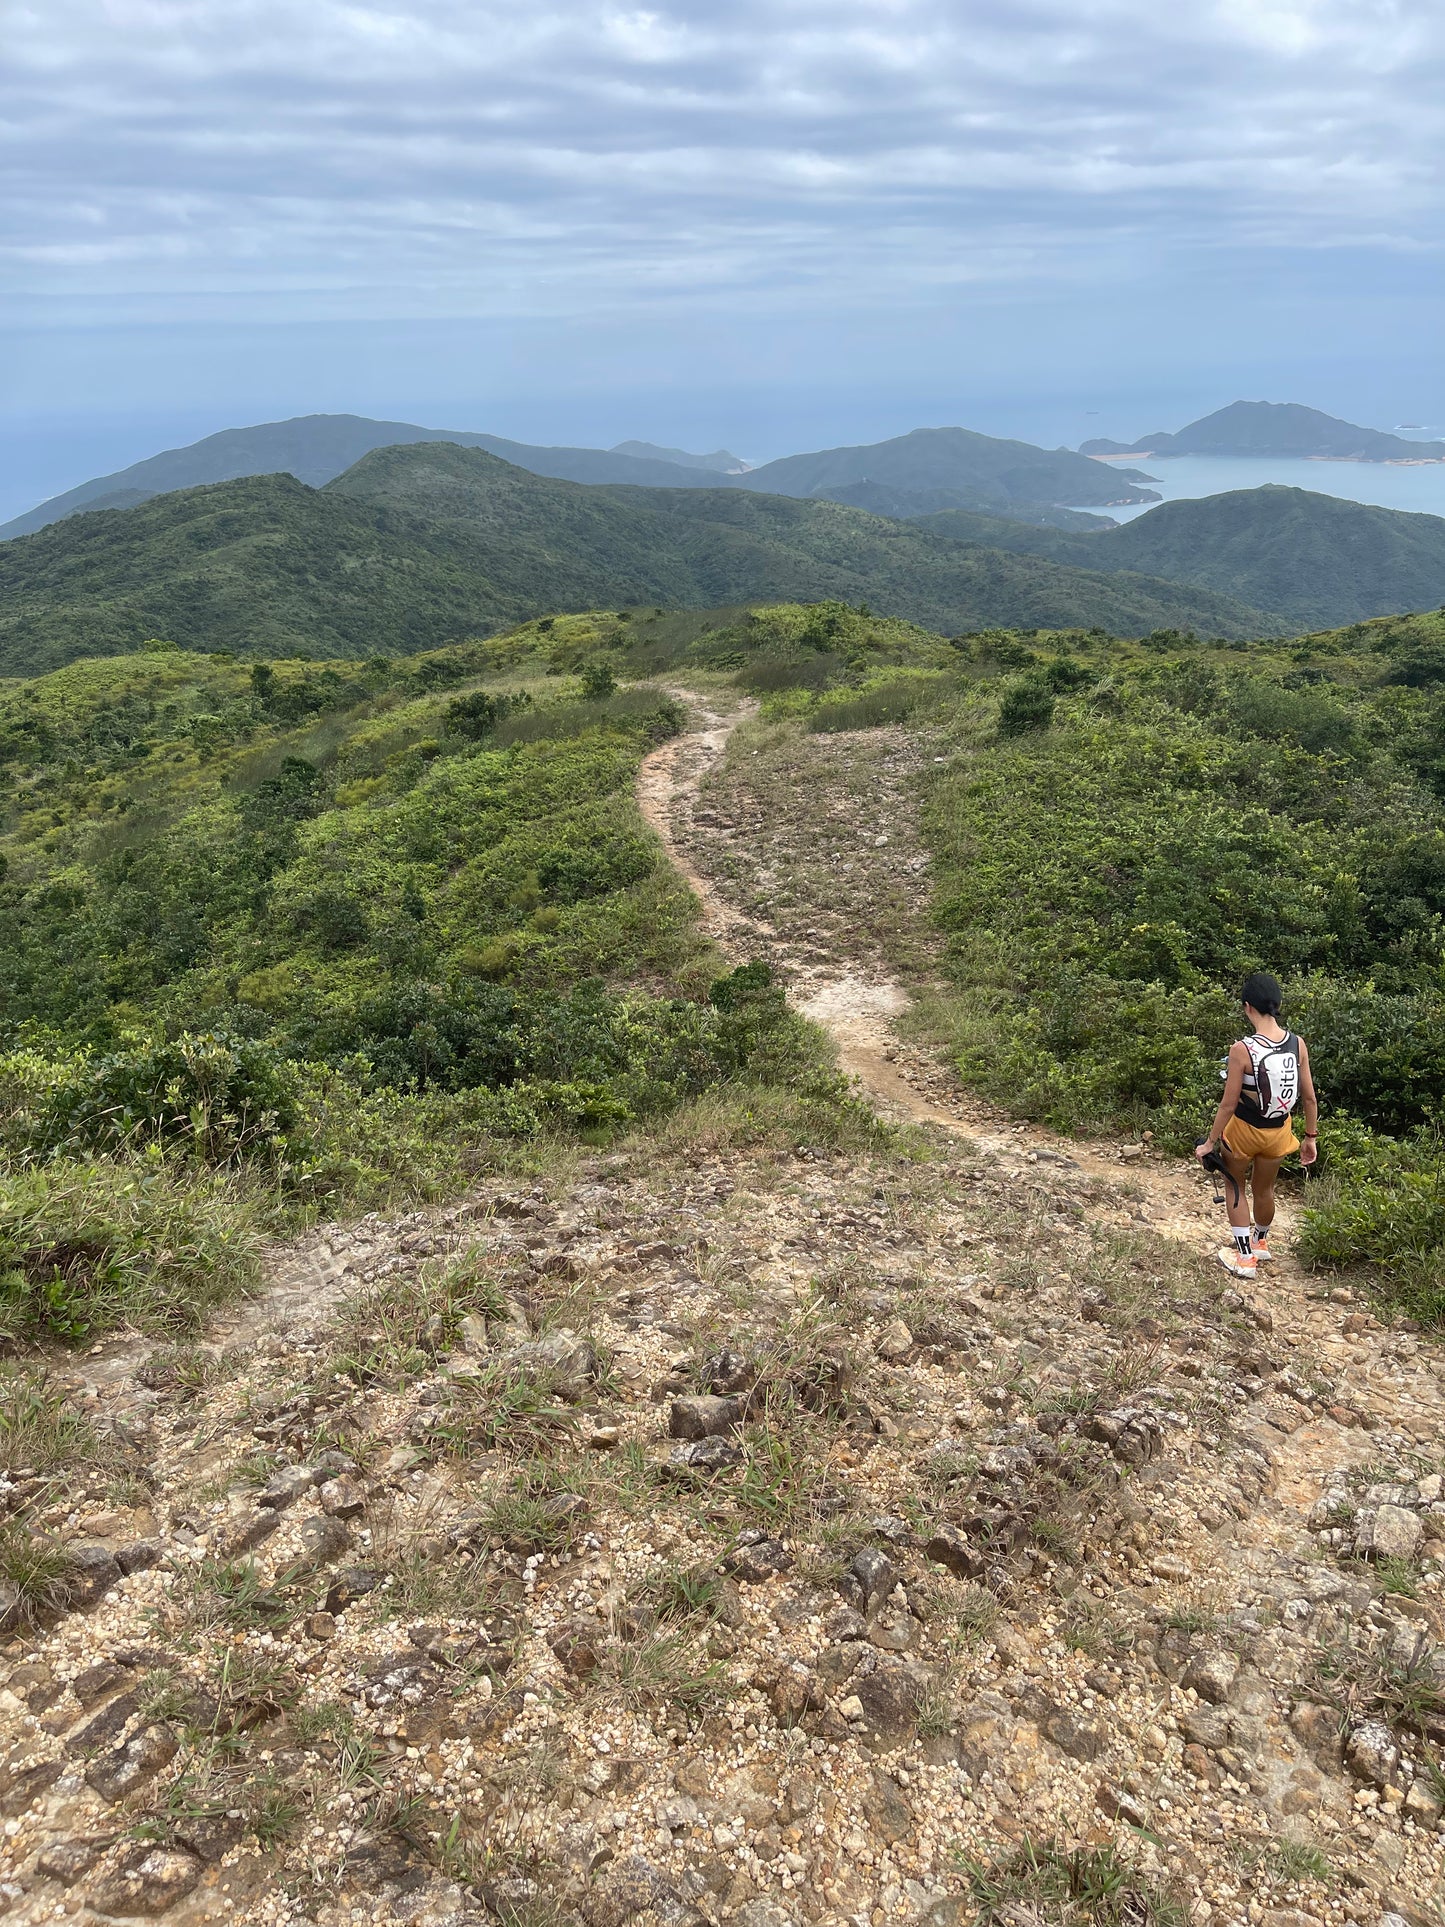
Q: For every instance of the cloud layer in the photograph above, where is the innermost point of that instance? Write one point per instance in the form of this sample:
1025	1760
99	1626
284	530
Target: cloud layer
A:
310	157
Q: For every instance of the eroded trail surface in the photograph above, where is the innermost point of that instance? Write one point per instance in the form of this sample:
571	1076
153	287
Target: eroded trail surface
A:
697	1534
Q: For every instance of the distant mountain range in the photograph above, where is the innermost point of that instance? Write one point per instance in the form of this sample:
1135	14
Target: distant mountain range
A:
979	471
721	461
418	544
1317	561
1280	429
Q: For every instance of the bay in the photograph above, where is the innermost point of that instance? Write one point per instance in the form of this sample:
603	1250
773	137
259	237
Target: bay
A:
1416	487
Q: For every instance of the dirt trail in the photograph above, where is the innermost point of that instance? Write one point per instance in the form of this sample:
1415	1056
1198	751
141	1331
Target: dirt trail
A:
859	1007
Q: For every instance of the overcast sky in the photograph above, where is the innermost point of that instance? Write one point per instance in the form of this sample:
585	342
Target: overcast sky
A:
769	222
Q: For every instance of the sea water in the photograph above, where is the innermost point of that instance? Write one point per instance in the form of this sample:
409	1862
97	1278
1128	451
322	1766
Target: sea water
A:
1388	485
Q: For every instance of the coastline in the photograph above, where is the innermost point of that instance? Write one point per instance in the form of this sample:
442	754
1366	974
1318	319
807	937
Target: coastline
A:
1363	461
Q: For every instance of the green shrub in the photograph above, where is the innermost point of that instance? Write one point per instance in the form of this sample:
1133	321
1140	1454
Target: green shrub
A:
216	1097
598	679
1027	705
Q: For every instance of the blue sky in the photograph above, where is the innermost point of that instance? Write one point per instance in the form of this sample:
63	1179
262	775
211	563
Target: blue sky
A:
765	223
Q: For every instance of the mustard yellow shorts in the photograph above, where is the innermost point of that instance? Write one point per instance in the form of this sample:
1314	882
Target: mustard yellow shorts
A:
1248	1141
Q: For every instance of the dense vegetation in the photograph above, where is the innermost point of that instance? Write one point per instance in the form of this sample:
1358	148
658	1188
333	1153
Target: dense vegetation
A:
415	547
282	935
1315	560
276	937
1126	833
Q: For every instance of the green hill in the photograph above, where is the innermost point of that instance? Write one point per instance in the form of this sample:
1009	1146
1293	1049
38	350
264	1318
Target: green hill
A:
1318	561
314	448
982	467
417	545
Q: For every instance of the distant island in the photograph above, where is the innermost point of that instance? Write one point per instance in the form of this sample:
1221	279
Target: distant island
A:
1281	430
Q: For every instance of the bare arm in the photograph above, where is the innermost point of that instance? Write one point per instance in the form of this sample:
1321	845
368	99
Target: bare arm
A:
1310	1150
1237	1065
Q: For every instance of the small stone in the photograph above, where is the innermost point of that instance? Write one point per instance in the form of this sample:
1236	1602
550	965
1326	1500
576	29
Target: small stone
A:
949	1547
1211	1675
141	1555
704	1417
1168	1566
1389	1533
1288	1917
567	1362
243	1534
131	1765
342	1499
888	1813
323	1539
894	1341
320	1626
706	1455
149	1881
65	1861
1198	1762
875	1576
349	1586
1371	1753
1423	1804
758	1561
1119	1805
93	1571
286	1486
95	1682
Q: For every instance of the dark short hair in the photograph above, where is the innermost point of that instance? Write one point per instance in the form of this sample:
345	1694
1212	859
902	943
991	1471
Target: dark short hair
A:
1262	993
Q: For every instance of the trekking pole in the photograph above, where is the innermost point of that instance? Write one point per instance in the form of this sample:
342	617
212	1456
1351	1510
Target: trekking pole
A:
1216	1167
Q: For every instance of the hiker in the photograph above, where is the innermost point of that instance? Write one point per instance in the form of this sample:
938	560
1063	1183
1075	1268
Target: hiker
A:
1265	1076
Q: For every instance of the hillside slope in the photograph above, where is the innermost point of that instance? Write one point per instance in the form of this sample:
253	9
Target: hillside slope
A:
417	545
1281	429
314	448
1319	561
982	467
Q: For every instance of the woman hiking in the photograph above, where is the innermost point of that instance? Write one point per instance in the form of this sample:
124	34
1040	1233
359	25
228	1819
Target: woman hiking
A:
1265	1076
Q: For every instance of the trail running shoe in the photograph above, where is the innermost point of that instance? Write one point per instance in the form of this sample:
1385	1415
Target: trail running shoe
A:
1262	1251
1241	1264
